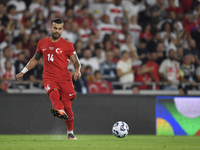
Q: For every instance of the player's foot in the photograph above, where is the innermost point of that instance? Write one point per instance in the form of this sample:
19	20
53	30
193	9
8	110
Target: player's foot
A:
71	136
59	114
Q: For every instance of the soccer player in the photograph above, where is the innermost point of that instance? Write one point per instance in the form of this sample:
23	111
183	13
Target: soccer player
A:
57	80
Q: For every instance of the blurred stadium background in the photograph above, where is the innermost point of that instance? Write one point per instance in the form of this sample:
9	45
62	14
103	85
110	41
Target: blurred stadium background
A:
129	49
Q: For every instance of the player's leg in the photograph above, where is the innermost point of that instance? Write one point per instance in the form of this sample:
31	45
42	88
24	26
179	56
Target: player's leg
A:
54	96
53	91
70	121
58	107
67	95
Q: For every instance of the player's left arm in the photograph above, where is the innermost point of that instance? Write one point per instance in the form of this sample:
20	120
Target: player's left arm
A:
77	66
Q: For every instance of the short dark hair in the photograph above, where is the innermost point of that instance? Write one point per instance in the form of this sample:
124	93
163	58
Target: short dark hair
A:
57	20
17	40
88	67
123	52
186	54
96	72
135	86
22	53
10	7
84	7
6	48
184	89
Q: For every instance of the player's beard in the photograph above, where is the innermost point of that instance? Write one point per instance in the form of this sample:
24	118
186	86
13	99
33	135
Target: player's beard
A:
54	37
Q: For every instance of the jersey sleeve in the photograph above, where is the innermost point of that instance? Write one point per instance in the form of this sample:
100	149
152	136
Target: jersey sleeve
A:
70	50
162	67
39	50
118	66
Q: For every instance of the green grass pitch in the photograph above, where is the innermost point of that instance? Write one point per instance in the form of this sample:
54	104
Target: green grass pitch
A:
98	142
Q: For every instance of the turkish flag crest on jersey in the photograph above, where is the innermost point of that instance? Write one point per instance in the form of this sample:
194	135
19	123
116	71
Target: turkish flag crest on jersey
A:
58	50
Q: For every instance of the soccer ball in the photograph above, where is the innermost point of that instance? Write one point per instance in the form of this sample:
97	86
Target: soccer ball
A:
120	129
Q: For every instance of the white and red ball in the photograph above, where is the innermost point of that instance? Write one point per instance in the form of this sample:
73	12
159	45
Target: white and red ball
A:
120	129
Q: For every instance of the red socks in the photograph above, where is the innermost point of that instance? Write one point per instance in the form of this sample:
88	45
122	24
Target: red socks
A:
55	100
69	112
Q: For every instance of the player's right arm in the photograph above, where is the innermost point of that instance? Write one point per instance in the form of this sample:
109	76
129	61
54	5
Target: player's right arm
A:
30	65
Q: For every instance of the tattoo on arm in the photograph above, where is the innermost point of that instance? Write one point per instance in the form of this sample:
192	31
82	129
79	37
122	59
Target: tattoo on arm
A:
77	65
74	57
38	56
76	62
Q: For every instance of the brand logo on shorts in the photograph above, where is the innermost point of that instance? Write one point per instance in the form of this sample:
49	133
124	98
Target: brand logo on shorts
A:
47	88
58	51
71	94
44	49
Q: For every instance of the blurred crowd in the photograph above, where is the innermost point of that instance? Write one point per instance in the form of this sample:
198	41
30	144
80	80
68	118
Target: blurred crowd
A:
124	41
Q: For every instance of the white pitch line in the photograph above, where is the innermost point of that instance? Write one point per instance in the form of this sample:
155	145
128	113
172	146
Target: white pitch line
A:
144	146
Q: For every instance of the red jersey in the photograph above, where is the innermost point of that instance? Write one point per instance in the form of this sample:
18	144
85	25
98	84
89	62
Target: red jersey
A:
147	76
155	70
186	5
146	36
56	56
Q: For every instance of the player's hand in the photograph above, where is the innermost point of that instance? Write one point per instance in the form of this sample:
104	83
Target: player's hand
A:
76	74
19	75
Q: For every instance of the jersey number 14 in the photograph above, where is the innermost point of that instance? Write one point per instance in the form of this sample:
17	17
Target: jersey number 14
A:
50	57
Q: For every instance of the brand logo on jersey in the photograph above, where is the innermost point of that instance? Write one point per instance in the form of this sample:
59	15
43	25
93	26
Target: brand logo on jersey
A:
51	48
44	49
58	51
71	94
47	88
